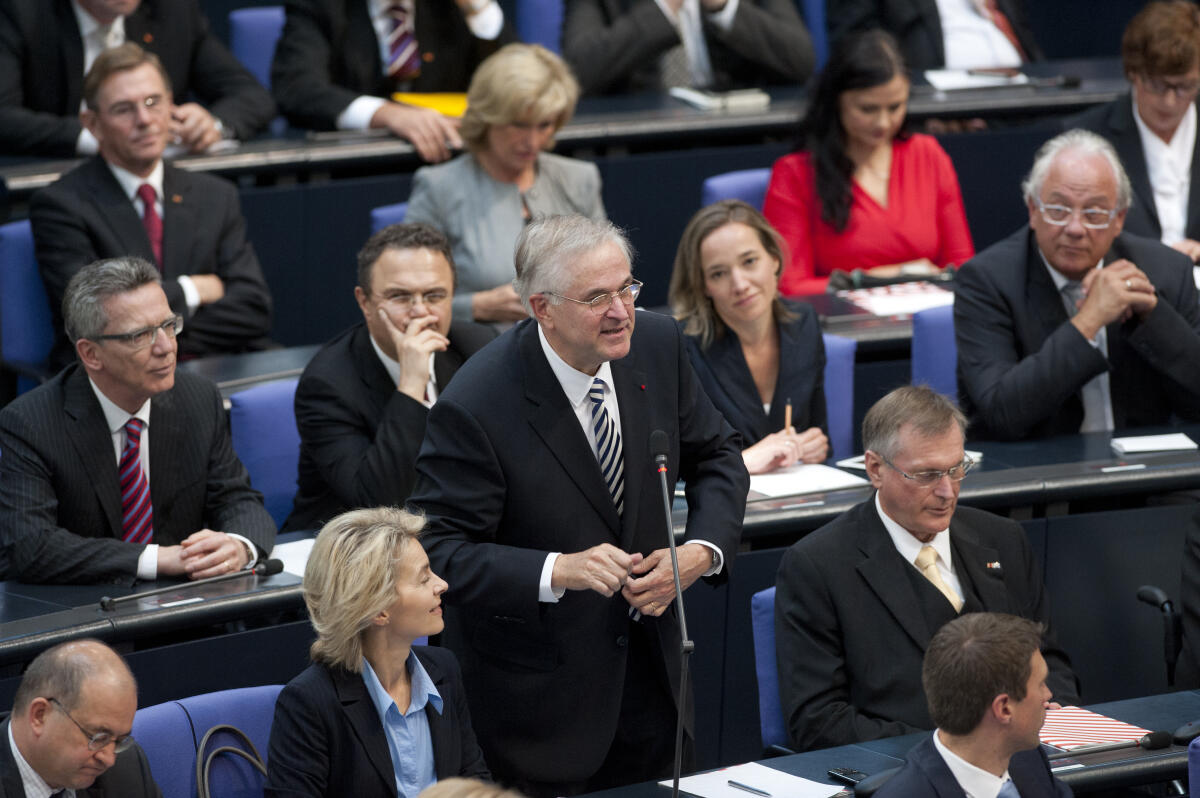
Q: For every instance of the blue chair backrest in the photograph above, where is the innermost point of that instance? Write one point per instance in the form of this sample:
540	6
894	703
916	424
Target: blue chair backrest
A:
839	393
253	34
384	215
748	185
762	626
813	12
1194	768
26	332
251	709
540	22
934	353
164	733
262	421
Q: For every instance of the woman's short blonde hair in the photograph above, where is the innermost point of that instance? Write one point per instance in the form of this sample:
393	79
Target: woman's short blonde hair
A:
459	787
351	577
689	302
518	83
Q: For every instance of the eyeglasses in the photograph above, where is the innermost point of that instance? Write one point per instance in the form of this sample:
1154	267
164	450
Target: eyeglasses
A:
929	478
1183	91
145	337
155	104
404	300
600	303
97	740
1091	218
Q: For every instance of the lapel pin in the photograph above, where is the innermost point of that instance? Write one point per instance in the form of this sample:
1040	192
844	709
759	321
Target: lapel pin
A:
177	198
147	37
994	566
642	386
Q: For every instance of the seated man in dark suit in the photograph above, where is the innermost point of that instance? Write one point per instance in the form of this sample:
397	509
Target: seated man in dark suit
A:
1153	127
69	728
362	402
339	62
119	466
47	46
1070	325
858	600
985	681
616	46
191	226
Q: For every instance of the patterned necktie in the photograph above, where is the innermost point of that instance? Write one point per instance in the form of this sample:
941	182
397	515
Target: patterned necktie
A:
151	221
137	516
1002	23
1073	291
608	446
404	60
927	564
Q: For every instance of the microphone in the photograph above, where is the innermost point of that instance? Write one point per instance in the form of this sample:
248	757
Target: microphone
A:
264	568
659	447
1151	742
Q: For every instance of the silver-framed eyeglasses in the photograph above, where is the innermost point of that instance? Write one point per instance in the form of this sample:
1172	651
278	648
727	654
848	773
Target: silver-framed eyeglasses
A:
97	740
146	336
154	103
600	303
1091	218
1183	91
404	300
929	478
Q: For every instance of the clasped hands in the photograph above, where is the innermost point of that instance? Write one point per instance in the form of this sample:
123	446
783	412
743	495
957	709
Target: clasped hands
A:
1114	293
203	554
645	581
784	448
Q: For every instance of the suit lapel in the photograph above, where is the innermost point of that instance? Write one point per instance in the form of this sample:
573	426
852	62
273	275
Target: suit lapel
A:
554	421
441	732
929	13
169	439
10	777
1192	226
116	210
1042	298
974	558
89	434
364	720
883	570
925	756
632	388
1128	143
179	217
369	369
70	48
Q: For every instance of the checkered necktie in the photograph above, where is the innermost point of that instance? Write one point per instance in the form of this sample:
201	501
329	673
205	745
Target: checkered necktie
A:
608	446
404	60
137	516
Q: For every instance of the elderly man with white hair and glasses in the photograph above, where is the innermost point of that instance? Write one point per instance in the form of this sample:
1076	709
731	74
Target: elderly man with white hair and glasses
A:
1070	325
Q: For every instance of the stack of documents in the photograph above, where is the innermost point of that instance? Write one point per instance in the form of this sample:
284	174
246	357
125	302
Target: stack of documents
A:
1071	727
760	779
1173	442
803	478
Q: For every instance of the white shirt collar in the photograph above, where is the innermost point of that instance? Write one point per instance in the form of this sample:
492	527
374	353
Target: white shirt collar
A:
114	416
35	786
1060	279
575	383
393	370
975	782
88	25
906	542
1182	141
130	182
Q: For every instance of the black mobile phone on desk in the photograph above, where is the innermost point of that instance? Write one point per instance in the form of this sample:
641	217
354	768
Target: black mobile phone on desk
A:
846	775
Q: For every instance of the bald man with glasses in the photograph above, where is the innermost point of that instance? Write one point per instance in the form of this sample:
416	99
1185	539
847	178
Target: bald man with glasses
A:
119	468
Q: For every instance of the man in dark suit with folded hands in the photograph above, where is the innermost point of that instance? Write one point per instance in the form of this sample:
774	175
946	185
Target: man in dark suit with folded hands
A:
985	681
858	601
546	518
119	466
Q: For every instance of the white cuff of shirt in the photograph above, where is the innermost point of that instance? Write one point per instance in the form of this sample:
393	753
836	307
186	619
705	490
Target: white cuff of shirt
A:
86	144
718	559
191	296
147	567
547	593
357	115
723	19
487	23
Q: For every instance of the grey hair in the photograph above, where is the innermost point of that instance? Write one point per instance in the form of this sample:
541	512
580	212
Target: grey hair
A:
1083	141
925	409
549	246
83	302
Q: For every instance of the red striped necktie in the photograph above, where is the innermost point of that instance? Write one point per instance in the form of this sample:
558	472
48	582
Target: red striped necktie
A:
404	59
137	516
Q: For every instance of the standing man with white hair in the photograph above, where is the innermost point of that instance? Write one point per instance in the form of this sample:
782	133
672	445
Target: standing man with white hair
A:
1070	325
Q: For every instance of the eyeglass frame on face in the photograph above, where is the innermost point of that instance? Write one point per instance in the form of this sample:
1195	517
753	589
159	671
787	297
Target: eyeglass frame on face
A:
127	109
1071	213
1158	87
97	740
601	303
405	300
172	327
927	479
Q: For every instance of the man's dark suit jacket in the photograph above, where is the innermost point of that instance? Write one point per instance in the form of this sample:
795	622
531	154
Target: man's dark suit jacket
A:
507	475
359	436
327	739
614	46
925	775
851	635
41	71
129	777
329	55
60	501
1114	121
917	26
1021	363
85	216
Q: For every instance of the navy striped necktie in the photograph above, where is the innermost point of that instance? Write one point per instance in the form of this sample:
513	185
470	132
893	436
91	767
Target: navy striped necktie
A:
608	446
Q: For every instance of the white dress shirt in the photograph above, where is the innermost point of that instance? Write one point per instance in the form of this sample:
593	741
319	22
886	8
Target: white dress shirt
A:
909	547
35	786
393	369
690	26
971	40
1169	167
96	38
975	782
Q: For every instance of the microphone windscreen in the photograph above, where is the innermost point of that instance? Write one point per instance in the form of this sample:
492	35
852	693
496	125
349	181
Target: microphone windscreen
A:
1155	739
270	567
659	444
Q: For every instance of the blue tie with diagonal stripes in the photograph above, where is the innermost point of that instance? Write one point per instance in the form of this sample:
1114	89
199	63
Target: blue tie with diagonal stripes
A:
608	446
137	516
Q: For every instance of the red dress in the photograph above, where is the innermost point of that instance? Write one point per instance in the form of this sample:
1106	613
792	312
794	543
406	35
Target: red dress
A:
924	217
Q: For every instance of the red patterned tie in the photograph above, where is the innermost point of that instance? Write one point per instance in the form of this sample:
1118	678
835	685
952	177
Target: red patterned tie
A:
1000	20
137	516
404	60
151	221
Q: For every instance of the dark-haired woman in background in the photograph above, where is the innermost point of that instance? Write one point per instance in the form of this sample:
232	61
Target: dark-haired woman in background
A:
860	192
754	353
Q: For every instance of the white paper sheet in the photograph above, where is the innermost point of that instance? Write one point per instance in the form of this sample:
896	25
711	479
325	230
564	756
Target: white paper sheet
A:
951	79
1175	441
900	299
294	555
769	780
803	478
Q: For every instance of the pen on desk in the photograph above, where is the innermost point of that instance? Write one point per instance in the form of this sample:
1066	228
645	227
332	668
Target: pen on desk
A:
748	788
787	414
